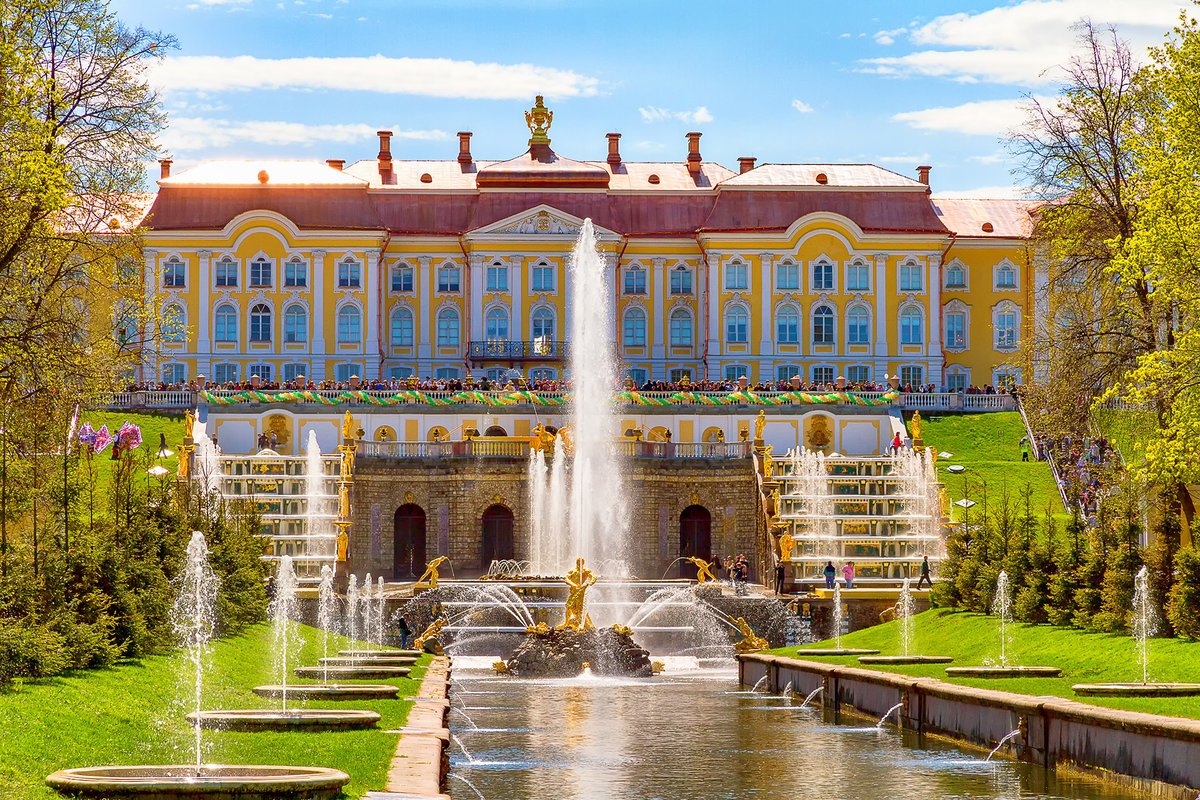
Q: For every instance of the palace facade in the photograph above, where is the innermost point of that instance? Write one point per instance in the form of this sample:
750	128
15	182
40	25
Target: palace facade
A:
391	268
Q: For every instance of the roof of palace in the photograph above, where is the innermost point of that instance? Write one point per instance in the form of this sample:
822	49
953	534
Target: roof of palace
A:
1008	219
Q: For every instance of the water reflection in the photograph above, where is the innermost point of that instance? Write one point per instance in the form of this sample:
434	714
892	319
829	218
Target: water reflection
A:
691	733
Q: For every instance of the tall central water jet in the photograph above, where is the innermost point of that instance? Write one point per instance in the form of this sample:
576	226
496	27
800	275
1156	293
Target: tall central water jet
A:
283	609
194	620
598	510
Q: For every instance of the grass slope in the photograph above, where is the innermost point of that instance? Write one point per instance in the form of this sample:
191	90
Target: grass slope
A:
133	714
988	445
1084	657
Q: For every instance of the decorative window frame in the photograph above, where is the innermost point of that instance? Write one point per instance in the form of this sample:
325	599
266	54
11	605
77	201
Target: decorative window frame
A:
999	267
729	307
788	261
342	305
303	260
858	260
680	307
173	259
777	313
220	258
549	308
823	260
966	273
237	316
858	364
497	306
437	279
302	304
181	304
812	372
437	315
911	261
349	258
955	370
396	309
629	269
254	302
736	261
912	305
272	267
395	267
172	363
544	263
859	305
504	269
681	267
1004	307
640	308
812	315
957	306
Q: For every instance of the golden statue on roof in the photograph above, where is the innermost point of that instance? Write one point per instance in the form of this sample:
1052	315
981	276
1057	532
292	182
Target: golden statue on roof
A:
539	119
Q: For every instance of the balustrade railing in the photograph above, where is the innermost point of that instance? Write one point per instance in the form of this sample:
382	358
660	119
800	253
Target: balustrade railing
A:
519	449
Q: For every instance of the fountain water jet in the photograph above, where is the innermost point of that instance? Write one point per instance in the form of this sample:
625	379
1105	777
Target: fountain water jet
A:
888	713
906	609
1008	737
1002	609
811	695
838	616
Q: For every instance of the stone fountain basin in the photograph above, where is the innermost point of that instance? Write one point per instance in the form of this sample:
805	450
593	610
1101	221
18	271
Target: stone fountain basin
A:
332	691
371	661
217	781
385	652
1003	672
1137	689
835	651
349	672
301	719
905	659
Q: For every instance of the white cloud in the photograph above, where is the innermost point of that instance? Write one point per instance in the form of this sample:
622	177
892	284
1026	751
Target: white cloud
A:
1018	43
432	77
984	193
889	37
998	157
656	114
978	118
209	3
905	160
802	107
198	133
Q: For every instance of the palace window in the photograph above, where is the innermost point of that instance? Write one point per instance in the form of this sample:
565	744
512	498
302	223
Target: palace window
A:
822	277
1006	330
496	325
260	323
226	328
678	375
638	376
823	325
737	276
910	277
349	274
264	371
448	279
1006	276
402	278
260	273
344	372
858	277
349	325
447	328
174	274
737	325
822	375
295	324
786	372
787	325
542	374
446	373
956	277
174	323
294	370
1006	377
402	328
858	326
174	373
956	329
226	273
542	279
681	328
912	375
635	281
542	324
400	373
735	371
635	328
858	373
912	324
497	278
295	274
225	373
681	280
787	276
958	379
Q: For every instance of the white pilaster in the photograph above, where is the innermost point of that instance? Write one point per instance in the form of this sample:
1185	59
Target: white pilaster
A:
881	317
371	278
149	342
517	323
476	298
610	293
203	310
318	290
426	322
714	305
661	285
934	352
766	346
1042	326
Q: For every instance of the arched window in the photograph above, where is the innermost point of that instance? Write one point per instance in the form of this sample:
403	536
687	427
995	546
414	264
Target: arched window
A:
635	280
542	324
226	329
402	327
447	328
174	324
681	280
787	325
858	276
681	328
260	323
260	273
635	327
912	324
496	325
823	325
349	325
295	273
448	278
822	276
858	326
737	325
1006	276
295	324
174	274
542	279
787	276
956	277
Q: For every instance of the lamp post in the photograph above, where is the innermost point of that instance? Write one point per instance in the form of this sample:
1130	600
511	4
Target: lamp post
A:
966	505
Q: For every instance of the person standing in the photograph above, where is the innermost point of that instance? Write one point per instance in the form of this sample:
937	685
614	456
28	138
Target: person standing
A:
848	574
924	580
830	574
405	632
897	443
779	575
1024	448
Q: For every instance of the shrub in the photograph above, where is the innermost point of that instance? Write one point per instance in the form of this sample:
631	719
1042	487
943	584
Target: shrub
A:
30	652
1183	604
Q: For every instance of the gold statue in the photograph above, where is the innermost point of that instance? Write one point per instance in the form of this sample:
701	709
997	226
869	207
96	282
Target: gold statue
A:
915	425
750	643
348	428
656	667
540	629
760	424
500	667
189	422
430	574
703	570
787	543
431	637
539	119
768	461
624	630
343	544
578	580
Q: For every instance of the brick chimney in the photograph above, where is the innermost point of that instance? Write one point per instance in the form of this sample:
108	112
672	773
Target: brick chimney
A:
923	174
693	156
336	163
614	148
385	156
164	167
745	164
464	149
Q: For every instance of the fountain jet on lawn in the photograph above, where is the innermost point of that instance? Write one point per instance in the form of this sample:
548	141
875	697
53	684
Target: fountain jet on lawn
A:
905	611
1002	610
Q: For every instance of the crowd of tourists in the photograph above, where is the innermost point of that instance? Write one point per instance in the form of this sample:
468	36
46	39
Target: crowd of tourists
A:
1080	462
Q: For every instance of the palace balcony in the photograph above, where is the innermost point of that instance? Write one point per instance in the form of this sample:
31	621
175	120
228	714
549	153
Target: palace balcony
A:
518	448
509	350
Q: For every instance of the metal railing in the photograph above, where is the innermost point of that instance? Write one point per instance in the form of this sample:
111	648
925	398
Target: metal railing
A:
519	449
511	350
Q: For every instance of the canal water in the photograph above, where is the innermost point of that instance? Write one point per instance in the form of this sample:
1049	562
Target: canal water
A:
694	733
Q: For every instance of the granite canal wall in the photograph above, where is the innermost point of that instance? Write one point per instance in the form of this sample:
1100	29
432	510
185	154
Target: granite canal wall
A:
1159	755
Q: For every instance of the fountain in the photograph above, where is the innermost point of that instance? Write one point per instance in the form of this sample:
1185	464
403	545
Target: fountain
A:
283	610
194	620
1005	739
326	612
837	650
809	697
1002	610
888	713
905	611
1144	626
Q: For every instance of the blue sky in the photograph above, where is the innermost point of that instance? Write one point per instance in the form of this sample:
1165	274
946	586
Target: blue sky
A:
893	83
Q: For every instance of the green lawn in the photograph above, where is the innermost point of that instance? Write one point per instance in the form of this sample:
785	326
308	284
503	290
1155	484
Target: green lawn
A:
1084	657
151	424
988	445
133	714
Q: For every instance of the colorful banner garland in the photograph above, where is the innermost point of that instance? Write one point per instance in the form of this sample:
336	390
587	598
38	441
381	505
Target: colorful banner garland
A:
417	397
